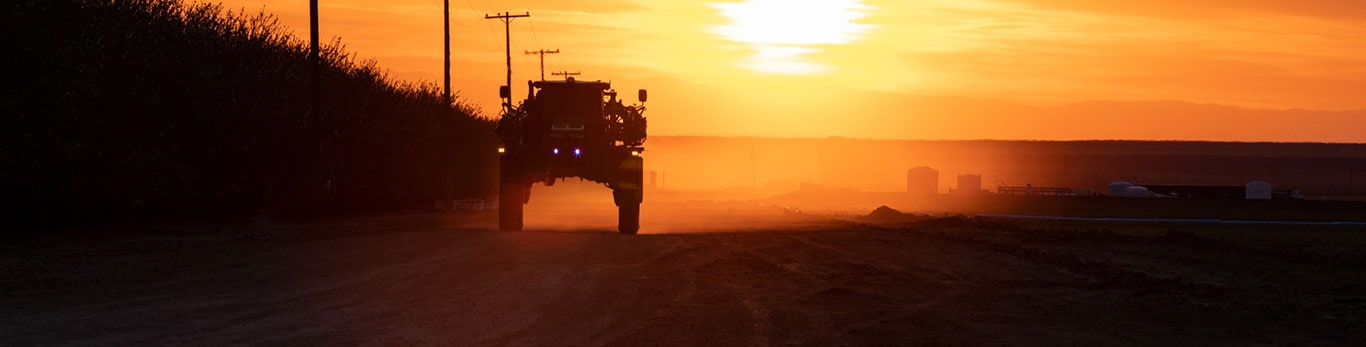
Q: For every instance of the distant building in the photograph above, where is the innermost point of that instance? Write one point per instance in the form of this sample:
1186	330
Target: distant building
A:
922	180
969	184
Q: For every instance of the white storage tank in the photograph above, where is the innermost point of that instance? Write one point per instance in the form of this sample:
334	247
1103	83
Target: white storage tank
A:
1258	190
1116	188
1137	192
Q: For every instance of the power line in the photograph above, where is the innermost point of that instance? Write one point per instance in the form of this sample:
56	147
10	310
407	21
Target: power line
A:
532	24
558	63
470	24
492	37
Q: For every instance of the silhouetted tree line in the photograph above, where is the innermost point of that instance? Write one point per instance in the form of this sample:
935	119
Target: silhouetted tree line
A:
118	109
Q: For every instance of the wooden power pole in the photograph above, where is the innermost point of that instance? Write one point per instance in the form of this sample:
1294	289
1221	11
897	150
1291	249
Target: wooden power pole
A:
507	17
542	53
314	60
446	97
446	21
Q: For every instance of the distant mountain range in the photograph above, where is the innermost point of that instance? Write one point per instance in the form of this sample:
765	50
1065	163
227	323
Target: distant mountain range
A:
688	108
930	117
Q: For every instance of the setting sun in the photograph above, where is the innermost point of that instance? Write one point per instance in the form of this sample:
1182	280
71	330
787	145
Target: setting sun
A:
782	33
986	69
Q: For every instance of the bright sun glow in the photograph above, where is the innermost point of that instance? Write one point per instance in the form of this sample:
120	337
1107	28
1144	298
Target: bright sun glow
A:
783	32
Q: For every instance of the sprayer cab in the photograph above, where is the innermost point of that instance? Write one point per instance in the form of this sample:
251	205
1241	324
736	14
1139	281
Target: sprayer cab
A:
566	129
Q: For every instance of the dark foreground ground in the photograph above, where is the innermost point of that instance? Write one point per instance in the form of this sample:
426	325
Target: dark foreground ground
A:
712	274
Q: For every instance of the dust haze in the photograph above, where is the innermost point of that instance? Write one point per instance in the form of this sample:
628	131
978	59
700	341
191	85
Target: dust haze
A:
581	206
713	184
775	166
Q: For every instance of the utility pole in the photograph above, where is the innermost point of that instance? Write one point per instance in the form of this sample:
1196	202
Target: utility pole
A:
566	74
450	161
326	178
542	53
314	61
507	17
446	21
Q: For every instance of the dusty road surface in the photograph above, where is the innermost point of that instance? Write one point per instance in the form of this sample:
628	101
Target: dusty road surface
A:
710	274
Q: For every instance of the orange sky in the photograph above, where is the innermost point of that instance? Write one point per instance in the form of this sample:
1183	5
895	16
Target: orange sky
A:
1007	68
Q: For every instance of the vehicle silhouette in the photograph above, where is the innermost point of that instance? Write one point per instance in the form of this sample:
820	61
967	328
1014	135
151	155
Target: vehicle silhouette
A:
566	129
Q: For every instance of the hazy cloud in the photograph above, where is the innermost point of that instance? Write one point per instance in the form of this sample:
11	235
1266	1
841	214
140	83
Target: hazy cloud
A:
1338	9
1052	54
595	6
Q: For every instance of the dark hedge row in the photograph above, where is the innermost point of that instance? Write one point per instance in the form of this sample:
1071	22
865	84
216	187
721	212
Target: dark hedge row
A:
119	109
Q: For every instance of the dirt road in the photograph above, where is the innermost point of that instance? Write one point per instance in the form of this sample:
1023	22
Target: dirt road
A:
751	275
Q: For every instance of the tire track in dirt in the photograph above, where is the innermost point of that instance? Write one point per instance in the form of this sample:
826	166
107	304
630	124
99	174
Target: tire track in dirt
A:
1298	313
791	270
847	284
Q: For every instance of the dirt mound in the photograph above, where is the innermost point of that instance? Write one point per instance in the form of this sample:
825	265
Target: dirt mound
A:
884	214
